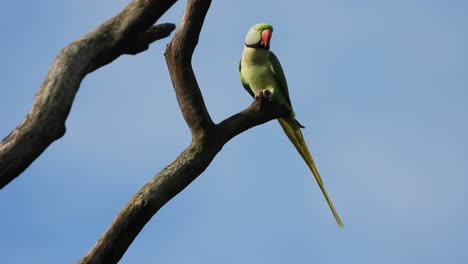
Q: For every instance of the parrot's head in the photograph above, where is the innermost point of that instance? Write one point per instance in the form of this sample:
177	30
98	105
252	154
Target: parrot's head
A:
259	36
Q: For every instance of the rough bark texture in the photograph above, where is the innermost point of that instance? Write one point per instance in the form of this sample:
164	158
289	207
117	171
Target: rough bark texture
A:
131	32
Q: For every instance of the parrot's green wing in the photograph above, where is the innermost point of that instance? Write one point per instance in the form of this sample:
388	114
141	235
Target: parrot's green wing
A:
280	77
244	83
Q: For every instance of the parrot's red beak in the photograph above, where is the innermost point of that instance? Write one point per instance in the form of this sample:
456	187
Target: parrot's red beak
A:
266	36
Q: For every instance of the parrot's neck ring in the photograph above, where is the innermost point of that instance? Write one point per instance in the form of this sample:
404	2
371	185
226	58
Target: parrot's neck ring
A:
257	46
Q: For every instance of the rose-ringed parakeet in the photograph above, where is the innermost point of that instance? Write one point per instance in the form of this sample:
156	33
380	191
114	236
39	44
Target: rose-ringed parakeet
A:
261	74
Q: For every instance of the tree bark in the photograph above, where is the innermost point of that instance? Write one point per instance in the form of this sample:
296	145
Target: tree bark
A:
130	32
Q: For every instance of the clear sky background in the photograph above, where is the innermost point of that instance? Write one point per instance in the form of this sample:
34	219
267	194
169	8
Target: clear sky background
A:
382	87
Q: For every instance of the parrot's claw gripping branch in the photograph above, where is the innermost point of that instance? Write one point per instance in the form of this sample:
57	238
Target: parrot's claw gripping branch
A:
267	94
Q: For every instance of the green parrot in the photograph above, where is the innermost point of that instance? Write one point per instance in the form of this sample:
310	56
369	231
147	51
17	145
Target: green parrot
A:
261	75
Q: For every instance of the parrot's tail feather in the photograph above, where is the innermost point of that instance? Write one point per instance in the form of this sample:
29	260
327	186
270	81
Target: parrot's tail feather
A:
292	128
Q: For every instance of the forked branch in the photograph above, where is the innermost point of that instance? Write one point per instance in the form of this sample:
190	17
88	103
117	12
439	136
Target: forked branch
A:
207	141
130	32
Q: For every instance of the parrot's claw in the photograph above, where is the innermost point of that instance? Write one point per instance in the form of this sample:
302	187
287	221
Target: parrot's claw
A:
267	94
259	95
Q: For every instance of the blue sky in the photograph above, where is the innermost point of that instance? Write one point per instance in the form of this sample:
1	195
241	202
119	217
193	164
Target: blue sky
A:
381	87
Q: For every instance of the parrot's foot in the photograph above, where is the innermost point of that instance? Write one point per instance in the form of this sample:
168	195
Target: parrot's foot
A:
267	94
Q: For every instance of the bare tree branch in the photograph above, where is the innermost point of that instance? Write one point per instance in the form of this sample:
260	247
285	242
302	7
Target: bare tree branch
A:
129	32
144	39
178	57
260	111
172	180
207	141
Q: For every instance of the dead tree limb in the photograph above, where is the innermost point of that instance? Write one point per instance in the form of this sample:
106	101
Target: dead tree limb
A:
130	32
207	140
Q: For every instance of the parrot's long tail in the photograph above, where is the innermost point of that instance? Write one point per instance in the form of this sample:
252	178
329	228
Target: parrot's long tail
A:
293	130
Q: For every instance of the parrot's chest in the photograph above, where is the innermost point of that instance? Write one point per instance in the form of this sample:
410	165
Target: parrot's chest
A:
259	77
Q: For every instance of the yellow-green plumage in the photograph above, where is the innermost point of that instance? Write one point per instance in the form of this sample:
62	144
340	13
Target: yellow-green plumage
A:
293	131
259	70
